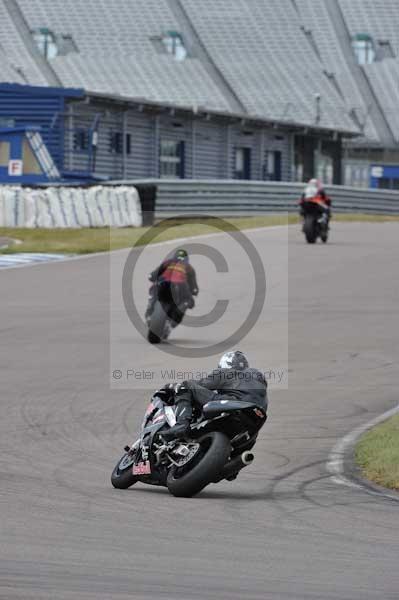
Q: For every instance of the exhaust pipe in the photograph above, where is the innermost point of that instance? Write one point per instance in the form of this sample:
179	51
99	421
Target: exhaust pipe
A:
247	458
234	466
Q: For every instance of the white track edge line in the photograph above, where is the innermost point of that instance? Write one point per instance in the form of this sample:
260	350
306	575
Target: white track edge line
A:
336	459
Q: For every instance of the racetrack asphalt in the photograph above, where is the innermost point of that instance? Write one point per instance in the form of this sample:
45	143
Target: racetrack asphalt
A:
283	530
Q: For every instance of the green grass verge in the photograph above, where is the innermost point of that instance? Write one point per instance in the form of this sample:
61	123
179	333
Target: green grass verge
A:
377	453
353	217
86	240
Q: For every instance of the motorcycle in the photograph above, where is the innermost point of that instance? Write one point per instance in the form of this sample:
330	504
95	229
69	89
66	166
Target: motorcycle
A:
167	312
315	220
216	447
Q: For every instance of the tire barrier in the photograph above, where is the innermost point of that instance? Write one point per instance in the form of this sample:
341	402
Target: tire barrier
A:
70	207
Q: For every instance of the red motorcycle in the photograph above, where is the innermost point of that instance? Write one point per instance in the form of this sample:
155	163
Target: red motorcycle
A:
315	210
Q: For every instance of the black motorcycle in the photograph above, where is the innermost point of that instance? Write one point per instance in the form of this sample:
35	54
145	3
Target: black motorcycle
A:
315	221
168	311
217	447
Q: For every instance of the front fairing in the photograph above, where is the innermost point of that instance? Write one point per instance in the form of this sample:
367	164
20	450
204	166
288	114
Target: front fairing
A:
155	416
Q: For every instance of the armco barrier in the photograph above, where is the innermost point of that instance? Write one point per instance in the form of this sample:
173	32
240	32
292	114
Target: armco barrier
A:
70	207
225	197
117	203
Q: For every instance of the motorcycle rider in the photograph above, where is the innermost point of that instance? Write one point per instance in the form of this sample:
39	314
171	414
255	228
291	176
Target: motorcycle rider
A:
232	380
315	191
179	274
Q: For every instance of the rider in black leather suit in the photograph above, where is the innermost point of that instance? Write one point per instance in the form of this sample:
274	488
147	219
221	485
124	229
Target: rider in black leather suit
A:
233	380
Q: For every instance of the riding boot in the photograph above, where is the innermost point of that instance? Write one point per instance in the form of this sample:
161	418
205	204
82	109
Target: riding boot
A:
184	412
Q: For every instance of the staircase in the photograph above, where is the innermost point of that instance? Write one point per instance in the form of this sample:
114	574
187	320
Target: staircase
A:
42	154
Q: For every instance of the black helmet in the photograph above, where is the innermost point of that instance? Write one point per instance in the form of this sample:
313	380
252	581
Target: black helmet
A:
233	360
181	255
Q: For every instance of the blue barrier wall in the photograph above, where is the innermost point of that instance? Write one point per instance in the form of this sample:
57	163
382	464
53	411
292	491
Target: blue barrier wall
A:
384	177
24	105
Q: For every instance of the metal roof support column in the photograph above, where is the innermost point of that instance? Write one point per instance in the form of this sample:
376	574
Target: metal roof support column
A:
193	148
70	137
156	142
262	154
292	157
124	142
228	152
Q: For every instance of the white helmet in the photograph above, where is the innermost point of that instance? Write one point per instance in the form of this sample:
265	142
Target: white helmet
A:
233	360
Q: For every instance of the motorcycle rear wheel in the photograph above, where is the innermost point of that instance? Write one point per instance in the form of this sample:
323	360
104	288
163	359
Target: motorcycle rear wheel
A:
214	453
309	229
156	324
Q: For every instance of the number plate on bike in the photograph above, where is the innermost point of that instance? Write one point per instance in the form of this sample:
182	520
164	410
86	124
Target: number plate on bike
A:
142	468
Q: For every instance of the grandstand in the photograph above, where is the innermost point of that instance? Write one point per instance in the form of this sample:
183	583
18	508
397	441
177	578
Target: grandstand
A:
379	18
287	62
17	61
384	80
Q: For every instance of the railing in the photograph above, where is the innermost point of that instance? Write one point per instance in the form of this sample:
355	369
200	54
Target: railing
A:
227	197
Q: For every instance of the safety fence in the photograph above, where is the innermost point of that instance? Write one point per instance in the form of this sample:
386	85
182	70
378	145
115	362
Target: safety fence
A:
176	197
133	203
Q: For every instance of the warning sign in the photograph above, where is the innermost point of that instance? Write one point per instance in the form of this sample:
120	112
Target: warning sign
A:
15	167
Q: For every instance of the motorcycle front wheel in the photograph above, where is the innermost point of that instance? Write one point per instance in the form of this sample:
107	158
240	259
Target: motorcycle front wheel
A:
122	476
324	236
204	467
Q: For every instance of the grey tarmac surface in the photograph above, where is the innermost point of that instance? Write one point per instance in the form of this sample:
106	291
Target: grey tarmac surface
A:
284	530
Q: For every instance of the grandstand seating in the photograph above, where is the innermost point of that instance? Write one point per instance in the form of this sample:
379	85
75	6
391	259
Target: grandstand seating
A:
314	15
379	18
116	54
103	26
16	63
384	77
7	72
262	52
273	55
184	83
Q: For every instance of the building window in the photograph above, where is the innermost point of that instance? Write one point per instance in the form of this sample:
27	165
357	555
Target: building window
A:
4	153
272	166
81	139
324	168
30	163
363	48
242	163
116	142
171	159
46	42
174	45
